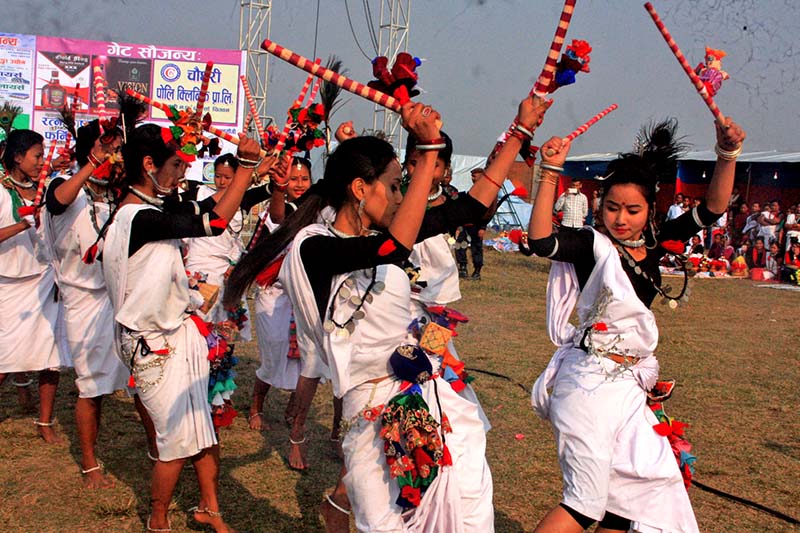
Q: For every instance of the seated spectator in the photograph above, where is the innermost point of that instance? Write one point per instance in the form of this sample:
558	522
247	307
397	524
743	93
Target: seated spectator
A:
773	262
792	226
695	246
728	252
757	257
791	263
716	249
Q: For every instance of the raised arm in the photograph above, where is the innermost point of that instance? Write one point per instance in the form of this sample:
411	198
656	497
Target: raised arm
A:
529	116
248	154
729	146
554	153
421	121
67	191
279	175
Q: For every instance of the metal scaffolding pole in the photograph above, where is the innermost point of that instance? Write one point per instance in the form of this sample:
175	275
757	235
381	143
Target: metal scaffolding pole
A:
255	20
395	16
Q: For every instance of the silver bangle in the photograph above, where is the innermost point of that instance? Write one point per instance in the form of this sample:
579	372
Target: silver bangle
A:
430	147
551	167
523	130
248	163
728	155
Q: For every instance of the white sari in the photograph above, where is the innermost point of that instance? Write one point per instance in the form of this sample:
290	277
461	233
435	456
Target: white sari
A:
460	499
151	298
611	457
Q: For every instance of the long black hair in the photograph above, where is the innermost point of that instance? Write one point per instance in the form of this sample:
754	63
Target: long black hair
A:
86	137
361	157
654	160
18	143
143	141
445	154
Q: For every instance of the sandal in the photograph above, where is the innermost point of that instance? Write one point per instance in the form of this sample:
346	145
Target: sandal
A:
168	529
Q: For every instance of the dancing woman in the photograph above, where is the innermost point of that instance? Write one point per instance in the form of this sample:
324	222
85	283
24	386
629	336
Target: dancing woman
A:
277	344
352	305
616	468
158	336
29	311
77	208
215	256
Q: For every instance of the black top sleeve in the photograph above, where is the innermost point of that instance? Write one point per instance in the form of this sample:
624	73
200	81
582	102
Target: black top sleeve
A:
54	207
325	256
174	221
255	196
446	218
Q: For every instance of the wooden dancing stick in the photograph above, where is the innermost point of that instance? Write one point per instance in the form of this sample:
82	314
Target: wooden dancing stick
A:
580	130
99	93
149	101
297	103
222	134
549	70
698	84
337	79
262	134
314	90
201	98
37	201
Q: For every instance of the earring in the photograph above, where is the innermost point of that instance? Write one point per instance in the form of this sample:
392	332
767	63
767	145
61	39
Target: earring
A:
361	206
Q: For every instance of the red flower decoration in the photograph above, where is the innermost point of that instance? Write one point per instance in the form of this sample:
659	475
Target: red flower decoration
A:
411	494
674	247
600	326
520	192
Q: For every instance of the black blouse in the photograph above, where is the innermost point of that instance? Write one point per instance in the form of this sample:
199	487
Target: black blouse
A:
326	256
571	246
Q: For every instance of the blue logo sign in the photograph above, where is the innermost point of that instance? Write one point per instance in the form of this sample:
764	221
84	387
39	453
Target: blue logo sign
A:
170	72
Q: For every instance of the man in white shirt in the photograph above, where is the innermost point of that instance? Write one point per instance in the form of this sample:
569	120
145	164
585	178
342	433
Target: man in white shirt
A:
574	205
676	209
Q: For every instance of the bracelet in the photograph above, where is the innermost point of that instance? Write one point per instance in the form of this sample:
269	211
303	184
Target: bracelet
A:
548	176
248	163
554	168
523	130
276	187
727	155
430	147
485	175
439	140
95	162
518	135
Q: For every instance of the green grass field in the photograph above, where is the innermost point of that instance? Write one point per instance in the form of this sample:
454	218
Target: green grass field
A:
733	350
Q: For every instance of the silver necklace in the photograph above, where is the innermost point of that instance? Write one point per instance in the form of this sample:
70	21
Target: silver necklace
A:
158	202
638	243
28	185
343	235
436	194
672	301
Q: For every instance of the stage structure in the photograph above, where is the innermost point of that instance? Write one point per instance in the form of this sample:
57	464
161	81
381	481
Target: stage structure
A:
255	20
395	18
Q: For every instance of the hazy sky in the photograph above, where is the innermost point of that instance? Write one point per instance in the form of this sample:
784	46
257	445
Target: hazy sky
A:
482	56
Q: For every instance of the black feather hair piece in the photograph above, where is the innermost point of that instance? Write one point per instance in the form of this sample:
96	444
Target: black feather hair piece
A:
659	148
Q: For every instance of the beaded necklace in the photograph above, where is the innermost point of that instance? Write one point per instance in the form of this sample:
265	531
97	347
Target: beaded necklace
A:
103	196
436	194
346	292
158	202
672	301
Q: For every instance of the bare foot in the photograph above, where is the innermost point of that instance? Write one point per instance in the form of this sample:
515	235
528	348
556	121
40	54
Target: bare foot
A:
213	519
297	454
96	479
336	520
49	434
258	422
24	398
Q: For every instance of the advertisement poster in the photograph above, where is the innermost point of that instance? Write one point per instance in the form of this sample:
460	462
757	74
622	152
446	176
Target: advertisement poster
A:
16	75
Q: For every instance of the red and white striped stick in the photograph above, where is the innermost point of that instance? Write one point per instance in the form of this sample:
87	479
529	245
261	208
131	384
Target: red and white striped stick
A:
99	93
253	111
314	90
37	201
382	99
201	98
297	102
222	134
247	120
549	70
580	130
149	101
698	84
